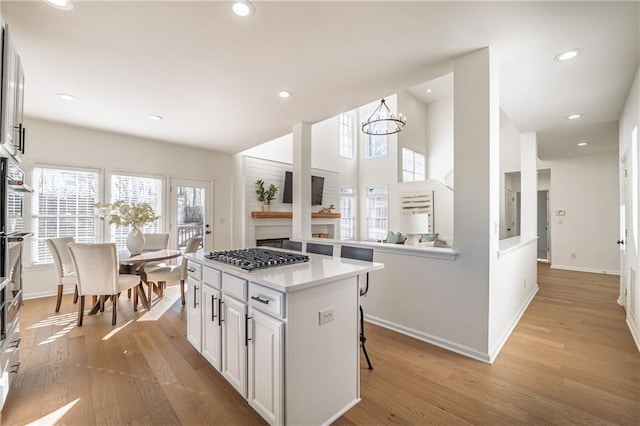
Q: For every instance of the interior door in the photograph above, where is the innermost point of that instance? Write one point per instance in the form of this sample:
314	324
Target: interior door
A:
543	225
623	229
191	212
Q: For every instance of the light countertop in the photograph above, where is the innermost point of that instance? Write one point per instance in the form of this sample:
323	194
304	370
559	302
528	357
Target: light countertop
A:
288	278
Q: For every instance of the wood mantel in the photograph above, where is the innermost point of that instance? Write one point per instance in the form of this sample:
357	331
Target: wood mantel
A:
289	215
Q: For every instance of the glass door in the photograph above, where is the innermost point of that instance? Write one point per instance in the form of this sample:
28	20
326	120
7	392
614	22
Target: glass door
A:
191	212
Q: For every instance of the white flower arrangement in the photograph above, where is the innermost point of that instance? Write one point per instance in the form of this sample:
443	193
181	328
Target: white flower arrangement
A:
122	214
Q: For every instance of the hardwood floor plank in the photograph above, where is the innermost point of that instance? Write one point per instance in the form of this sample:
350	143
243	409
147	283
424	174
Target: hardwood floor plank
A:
570	360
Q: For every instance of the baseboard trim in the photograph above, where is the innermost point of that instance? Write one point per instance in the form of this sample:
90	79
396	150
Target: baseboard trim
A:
578	269
514	323
41	294
425	337
635	333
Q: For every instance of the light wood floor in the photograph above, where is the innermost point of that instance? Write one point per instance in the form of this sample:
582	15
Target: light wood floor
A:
571	360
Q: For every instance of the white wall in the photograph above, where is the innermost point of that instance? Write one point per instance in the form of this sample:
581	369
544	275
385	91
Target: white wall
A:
629	120
439	139
586	187
57	143
414	135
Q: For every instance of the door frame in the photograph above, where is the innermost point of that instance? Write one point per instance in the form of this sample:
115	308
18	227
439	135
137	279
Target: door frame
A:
209	219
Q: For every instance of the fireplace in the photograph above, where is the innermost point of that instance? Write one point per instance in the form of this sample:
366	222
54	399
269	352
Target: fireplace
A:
270	242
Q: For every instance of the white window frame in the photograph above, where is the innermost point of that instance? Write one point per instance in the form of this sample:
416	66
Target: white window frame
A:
378	223
412	169
348	222
34	214
374	141
347	148
119	235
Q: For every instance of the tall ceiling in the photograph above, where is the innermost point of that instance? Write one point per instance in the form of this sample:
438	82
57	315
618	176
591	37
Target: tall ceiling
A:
214	77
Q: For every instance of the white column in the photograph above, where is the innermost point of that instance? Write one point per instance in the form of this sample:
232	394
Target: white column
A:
528	186
301	223
476	159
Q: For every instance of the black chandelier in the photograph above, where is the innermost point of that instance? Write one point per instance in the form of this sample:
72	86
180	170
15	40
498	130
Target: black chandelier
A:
383	122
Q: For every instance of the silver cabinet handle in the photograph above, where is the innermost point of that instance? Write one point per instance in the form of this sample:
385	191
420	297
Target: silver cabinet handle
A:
17	368
191	269
260	299
15	343
195	296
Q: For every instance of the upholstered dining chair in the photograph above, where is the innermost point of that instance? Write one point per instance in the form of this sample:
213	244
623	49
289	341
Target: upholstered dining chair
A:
174	273
65	274
155	241
96	267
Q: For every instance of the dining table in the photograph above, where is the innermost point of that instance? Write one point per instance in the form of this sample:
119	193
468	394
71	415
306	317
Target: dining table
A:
135	264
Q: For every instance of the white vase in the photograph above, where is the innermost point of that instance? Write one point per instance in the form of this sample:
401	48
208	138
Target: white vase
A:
135	241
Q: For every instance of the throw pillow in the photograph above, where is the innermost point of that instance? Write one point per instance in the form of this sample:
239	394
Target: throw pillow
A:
428	237
395	238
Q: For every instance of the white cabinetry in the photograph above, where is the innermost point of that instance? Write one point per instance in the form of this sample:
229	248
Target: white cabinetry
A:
234	344
211	317
289	336
266	372
13	132
194	308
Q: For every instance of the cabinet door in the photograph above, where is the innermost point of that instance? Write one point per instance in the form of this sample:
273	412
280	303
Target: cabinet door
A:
9	139
266	381
211	322
19	132
194	314
234	344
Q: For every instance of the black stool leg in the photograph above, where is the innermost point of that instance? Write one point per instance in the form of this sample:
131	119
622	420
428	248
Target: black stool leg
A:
364	339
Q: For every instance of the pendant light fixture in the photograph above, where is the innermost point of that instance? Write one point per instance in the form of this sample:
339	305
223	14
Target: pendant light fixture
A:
383	122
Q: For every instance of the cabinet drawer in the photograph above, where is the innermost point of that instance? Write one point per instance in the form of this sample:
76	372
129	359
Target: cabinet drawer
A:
234	286
211	276
194	270
10	348
266	299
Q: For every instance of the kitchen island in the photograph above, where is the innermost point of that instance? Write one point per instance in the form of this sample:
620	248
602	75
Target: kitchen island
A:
285	337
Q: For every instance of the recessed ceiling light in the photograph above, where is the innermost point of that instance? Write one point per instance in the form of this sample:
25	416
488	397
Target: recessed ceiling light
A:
155	117
569	54
284	93
583	144
243	8
60	4
428	90
66	96
573	116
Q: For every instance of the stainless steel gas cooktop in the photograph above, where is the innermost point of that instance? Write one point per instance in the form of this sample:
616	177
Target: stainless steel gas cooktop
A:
250	259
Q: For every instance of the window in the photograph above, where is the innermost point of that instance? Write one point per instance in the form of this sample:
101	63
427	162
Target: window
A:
347	146
412	165
62	205
377	213
137	189
377	144
347	213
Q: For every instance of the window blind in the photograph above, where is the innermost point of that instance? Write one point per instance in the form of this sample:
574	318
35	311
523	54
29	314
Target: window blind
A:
62	205
137	189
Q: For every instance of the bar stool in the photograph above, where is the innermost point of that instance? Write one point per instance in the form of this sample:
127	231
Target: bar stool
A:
316	248
292	245
360	253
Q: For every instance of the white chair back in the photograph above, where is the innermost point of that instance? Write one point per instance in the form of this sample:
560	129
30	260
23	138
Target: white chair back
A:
159	241
60	254
192	246
96	268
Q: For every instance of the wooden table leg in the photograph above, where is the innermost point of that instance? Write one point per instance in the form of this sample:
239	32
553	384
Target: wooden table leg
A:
143	296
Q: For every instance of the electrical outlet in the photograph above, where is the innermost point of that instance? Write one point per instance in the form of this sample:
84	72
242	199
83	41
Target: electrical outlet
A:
325	316
573	255
525	283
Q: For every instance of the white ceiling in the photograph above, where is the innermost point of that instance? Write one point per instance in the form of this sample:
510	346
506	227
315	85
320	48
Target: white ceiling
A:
214	77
